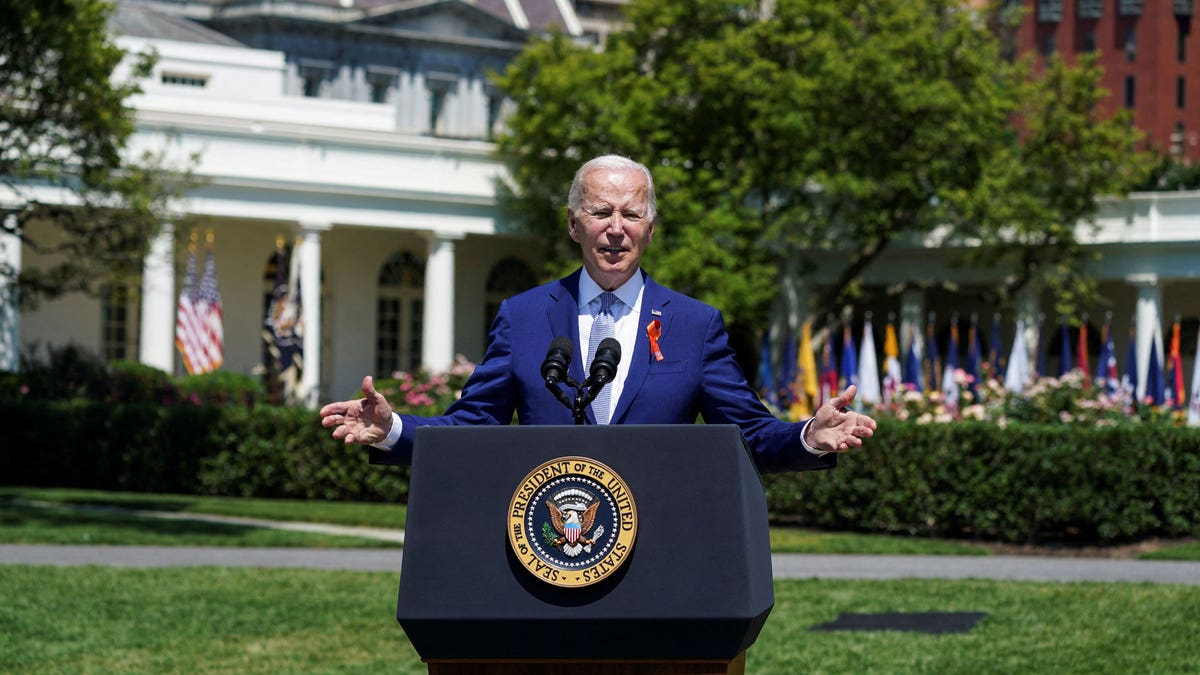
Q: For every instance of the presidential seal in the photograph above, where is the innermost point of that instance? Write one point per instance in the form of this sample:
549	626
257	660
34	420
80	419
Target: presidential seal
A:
572	521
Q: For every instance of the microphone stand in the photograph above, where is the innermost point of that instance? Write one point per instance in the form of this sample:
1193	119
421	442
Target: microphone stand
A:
578	404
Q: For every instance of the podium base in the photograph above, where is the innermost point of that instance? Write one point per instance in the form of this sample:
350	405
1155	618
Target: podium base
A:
734	666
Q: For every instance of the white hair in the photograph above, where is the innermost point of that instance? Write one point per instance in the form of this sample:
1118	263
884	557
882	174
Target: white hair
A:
613	162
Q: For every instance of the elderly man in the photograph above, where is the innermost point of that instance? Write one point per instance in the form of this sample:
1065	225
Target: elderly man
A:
679	365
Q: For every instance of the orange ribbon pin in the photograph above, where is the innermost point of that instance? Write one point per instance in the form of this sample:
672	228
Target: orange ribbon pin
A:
654	331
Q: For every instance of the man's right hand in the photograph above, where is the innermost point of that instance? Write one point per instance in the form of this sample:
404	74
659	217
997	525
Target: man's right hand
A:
365	420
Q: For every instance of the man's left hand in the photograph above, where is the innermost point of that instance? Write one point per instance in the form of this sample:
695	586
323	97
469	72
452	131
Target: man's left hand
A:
837	428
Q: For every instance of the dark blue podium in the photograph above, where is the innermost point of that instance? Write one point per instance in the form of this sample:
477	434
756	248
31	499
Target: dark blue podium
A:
691	597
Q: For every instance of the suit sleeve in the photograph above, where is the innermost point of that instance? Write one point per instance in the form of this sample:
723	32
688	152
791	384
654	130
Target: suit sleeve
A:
727	398
488	397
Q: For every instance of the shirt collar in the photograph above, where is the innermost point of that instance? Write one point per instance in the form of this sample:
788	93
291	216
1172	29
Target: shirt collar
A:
628	292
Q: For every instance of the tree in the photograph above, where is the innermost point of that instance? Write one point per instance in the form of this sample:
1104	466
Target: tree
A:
68	188
780	135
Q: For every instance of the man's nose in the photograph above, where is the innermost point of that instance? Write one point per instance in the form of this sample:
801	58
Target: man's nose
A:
616	225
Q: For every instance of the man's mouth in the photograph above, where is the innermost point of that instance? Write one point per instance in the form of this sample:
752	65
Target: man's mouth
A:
611	250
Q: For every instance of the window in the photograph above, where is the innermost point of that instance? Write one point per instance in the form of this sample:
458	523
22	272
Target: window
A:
313	75
1131	44
1130	94
1183	29
184	80
441	94
1049	45
1089	41
1180	92
399	314
117	331
507	278
495	106
380	82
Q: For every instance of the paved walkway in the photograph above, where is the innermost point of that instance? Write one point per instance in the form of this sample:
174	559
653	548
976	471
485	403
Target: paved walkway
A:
785	565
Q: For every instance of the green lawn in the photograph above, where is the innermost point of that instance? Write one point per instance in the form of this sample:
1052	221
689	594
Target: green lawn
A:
211	620
312	511
24	524
20	524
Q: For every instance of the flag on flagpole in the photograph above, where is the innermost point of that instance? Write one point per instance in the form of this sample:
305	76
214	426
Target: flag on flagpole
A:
1041	347
284	328
1064	362
806	386
1106	379
1081	355
787	377
892	378
932	369
766	373
848	374
1193	418
949	383
912	366
868	368
1176	395
997	359
185	317
1129	380
829	374
212	314
974	357
1018	373
199	325
1154	376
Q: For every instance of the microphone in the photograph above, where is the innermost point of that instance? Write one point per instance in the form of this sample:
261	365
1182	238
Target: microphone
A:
604	364
558	361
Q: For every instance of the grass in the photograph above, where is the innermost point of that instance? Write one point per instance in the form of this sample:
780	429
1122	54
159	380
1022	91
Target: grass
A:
20	524
211	620
1188	551
24	524
295	510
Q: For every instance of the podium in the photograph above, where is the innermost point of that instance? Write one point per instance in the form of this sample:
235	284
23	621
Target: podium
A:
690	597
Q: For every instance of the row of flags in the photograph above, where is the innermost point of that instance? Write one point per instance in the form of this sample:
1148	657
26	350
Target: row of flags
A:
199	321
801	386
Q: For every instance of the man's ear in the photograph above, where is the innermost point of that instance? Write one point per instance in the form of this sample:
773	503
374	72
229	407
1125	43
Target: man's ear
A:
571	222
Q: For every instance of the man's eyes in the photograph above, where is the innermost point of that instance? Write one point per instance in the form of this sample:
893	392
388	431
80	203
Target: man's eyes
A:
627	215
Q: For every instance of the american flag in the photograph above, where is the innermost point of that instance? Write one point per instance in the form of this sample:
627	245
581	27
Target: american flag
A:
199	321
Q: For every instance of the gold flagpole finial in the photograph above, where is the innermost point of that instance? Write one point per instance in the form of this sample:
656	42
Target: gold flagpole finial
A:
209	235
279	242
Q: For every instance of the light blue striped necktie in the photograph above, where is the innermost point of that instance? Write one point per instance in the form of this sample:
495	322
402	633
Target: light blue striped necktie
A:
602	327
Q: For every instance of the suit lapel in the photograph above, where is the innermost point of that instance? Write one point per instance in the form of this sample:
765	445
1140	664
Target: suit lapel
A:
563	314
654	306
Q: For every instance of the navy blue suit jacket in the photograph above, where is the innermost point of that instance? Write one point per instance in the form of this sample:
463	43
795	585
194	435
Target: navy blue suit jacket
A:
698	375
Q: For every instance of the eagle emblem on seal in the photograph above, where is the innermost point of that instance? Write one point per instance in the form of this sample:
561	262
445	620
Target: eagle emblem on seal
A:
572	517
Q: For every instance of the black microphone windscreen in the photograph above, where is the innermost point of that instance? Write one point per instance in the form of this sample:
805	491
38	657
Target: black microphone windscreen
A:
612	346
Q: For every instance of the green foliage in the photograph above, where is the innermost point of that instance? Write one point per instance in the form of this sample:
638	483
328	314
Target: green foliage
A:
222	388
1020	483
256	451
424	393
65	123
816	134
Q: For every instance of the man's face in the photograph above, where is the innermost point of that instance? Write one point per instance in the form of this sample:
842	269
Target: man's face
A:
612	226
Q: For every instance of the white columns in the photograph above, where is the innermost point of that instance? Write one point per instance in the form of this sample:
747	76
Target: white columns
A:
1149	326
10	313
310	309
156	341
437	340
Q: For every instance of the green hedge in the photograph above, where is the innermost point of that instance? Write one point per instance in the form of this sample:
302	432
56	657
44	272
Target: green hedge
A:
259	451
1022	483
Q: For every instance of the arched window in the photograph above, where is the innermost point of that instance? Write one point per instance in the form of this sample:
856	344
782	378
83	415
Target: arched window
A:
118	323
398	313
508	277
